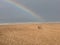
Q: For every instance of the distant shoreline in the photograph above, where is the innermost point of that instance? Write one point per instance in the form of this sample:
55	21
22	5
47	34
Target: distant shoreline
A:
26	23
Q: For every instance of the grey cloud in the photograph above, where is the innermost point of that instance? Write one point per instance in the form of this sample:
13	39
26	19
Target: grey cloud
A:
49	9
11	13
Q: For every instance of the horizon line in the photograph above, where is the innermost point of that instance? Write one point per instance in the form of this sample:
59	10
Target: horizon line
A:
26	23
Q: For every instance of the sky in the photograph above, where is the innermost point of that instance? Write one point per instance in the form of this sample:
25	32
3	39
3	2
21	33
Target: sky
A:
29	11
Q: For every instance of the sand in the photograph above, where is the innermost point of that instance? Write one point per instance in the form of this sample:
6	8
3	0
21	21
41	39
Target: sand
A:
30	34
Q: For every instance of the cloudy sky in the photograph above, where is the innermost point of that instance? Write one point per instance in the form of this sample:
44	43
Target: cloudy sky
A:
45	10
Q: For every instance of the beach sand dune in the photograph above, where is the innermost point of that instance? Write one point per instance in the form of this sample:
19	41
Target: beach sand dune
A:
30	34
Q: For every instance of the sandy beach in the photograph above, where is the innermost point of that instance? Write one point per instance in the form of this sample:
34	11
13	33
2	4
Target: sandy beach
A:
30	34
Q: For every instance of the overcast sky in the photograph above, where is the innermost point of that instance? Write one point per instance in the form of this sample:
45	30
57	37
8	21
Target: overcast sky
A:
49	10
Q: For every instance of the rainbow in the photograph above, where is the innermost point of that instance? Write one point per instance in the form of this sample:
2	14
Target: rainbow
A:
23	8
